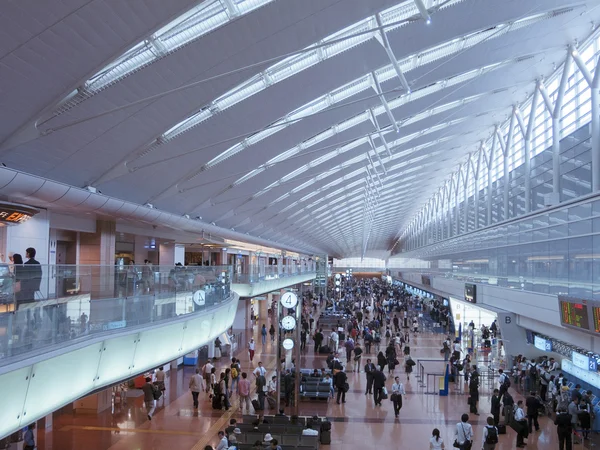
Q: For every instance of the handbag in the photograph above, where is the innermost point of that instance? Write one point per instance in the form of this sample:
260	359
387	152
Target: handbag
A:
384	393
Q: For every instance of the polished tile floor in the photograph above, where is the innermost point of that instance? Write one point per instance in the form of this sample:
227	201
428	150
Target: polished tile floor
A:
357	424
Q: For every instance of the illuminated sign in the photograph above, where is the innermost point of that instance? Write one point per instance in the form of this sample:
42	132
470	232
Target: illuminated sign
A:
13	214
584	362
471	293
542	344
574	313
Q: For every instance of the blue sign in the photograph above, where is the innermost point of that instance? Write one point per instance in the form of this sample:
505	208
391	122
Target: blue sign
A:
542	344
584	362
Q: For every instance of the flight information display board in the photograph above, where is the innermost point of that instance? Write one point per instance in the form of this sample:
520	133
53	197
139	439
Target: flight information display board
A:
596	315
574	313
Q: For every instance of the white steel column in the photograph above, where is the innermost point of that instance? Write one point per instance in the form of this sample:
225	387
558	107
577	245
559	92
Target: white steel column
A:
466	193
456	206
490	161
475	173
507	148
594	84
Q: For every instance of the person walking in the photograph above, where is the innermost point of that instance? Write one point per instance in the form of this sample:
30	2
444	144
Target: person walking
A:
463	434
357	357
341	383
474	393
378	385
397	393
272	333
263	334
196	386
149	400
369	370
490	435
533	406
244	392
206	371
408	367
436	442
318	338
564	428
251	349
29	439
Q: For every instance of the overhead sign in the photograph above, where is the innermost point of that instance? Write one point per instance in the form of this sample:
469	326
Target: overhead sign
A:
471	293
13	214
584	362
542	344
199	297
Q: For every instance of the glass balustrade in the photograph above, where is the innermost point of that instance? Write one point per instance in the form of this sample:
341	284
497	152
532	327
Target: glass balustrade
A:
256	273
46	305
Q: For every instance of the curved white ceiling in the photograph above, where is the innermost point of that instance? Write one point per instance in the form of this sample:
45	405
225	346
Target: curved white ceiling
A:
322	123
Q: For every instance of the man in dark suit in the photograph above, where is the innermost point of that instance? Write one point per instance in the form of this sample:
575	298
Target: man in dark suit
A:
340	382
496	407
32	276
369	369
564	429
533	407
378	385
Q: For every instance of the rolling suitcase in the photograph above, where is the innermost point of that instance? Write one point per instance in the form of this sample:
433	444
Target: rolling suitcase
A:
501	428
256	405
216	402
325	350
272	403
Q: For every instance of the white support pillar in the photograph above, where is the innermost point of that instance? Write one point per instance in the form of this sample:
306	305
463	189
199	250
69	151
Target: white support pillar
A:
475	173
556	132
490	161
456	206
506	151
594	84
466	193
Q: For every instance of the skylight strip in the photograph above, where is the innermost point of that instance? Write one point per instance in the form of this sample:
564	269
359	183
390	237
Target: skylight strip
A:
387	73
188	27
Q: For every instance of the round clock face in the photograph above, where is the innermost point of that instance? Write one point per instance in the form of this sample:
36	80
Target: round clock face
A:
289	300
288	323
288	344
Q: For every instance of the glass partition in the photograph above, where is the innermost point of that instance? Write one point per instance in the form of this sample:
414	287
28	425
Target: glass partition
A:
44	305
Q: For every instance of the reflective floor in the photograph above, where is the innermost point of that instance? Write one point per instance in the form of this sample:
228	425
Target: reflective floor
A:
356	424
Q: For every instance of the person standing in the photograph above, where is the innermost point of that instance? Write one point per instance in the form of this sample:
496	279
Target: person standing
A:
149	401
251	349
397	393
378	385
474	393
573	410
564	429
244	392
463	434
495	410
195	387
303	335
521	424
236	371
341	383
490	435
206	371
29	439
369	370
533	406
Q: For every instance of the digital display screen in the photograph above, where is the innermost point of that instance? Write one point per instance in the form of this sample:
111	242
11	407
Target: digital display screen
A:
425	280
574	313
471	293
596	312
11	214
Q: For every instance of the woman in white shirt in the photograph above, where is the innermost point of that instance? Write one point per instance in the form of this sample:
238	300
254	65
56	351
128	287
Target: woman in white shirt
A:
436	442
397	393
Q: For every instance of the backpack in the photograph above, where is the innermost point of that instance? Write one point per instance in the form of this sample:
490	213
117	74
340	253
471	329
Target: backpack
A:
533	371
492	435
234	372
387	334
506	382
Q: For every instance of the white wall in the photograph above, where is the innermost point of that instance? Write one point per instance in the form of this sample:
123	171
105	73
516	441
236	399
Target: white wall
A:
85	223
